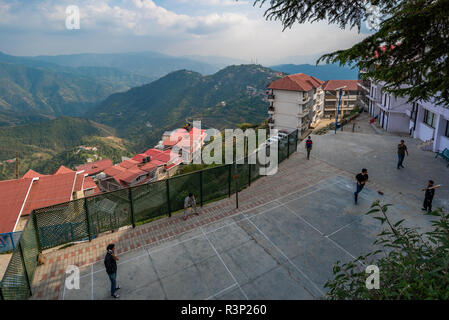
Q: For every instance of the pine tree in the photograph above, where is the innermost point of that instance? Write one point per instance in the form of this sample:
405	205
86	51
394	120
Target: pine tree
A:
408	51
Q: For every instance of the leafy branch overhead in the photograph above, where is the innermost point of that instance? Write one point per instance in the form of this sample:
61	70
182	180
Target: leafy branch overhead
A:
409	50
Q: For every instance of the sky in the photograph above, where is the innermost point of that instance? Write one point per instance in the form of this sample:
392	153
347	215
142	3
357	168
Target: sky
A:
228	28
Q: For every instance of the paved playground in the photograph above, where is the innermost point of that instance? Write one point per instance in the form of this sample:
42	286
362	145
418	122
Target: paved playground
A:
282	241
284	249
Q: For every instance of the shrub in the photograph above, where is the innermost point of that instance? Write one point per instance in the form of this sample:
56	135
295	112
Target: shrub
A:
413	265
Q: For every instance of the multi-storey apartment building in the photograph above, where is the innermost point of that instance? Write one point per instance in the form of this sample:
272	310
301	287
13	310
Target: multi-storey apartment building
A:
390	111
423	120
295	102
430	122
349	98
364	92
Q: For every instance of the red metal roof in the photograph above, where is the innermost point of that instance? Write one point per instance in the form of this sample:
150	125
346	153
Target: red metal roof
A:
50	190
296	82
32	174
153	152
114	170
95	167
89	183
128	163
331	85
12	198
79	182
139	157
63	170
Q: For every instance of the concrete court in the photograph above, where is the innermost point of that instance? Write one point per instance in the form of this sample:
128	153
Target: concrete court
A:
284	249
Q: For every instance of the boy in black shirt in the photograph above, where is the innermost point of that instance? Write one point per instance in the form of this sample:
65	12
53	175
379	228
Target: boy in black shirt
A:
430	192
111	269
361	179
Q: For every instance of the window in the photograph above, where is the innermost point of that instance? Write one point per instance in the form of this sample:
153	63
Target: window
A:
446	133
429	118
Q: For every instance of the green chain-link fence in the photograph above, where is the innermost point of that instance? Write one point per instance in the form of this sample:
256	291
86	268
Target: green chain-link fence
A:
86	218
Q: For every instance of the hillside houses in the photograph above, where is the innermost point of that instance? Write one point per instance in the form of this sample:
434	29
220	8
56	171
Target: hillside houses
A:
19	197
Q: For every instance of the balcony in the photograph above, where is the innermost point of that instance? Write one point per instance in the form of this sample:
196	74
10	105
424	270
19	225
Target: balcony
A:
302	113
270	96
271	110
304	100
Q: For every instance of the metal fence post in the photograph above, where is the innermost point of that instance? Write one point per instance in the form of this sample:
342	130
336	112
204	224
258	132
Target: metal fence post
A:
130	196
36	230
86	211
296	144
167	188
229	180
236	178
201	188
25	268
279	152
249	173
12	240
288	146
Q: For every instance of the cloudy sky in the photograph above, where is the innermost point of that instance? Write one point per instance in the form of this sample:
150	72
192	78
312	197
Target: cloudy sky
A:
228	28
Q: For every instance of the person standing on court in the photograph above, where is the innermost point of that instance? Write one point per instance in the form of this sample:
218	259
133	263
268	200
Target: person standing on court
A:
111	269
189	201
361	179
428	197
309	144
402	150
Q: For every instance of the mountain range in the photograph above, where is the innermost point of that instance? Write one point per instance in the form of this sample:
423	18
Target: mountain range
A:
129	99
231	96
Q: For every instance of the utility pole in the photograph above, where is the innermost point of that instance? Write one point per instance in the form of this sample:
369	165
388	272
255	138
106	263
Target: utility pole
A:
340	92
17	165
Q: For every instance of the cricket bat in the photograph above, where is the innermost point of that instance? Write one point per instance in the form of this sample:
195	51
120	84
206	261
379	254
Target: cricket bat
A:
434	187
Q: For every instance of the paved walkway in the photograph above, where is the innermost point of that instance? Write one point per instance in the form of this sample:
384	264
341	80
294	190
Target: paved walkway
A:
294	174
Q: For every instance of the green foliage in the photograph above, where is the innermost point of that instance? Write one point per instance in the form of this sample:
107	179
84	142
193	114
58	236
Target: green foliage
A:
413	34
44	147
412	264
231	96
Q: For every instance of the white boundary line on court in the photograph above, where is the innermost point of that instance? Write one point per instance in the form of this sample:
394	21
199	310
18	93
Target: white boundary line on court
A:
219	228
222	261
63	291
216	229
304	220
222	291
92	282
288	259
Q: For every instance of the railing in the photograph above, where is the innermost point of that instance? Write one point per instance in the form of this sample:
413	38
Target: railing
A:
270	97
8	241
86	218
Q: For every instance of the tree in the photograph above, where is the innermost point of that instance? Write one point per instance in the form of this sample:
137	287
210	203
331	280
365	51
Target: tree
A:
412	265
409	50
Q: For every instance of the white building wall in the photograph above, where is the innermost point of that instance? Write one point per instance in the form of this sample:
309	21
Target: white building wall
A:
398	122
287	107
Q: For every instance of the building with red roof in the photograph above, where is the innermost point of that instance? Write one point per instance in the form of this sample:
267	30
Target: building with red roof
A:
296	102
96	167
349	99
18	198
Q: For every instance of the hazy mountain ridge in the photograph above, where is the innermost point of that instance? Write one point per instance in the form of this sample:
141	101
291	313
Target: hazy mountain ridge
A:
231	96
322	72
149	64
